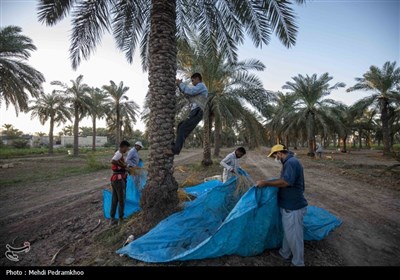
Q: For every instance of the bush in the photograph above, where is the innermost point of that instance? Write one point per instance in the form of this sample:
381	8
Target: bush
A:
20	144
108	145
93	163
69	146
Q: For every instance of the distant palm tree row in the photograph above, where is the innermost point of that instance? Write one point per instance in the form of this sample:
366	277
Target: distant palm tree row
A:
305	111
238	100
68	102
78	100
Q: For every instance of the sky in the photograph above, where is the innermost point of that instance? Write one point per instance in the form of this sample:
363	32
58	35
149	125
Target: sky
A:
343	38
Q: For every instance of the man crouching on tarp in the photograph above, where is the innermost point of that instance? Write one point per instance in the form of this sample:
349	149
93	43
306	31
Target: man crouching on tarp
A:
118	182
291	202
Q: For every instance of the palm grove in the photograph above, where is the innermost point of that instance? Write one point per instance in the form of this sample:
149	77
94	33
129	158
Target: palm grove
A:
203	36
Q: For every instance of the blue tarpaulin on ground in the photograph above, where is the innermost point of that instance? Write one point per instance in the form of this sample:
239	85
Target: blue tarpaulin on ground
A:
218	223
134	185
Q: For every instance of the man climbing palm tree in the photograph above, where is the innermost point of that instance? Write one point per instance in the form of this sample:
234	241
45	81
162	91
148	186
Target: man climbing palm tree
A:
197	96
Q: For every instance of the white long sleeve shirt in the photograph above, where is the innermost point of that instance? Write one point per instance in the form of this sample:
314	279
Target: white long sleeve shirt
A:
197	95
230	163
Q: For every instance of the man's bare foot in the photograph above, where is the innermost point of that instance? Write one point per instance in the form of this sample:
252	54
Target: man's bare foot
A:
168	152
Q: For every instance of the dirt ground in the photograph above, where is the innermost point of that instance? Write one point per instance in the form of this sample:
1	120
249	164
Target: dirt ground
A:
64	217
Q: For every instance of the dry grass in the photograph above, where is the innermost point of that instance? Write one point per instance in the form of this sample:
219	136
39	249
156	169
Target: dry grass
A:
243	184
183	196
136	171
191	180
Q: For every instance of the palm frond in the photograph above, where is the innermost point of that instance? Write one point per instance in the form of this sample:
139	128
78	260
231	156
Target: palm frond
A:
281	17
51	12
90	20
17	78
221	24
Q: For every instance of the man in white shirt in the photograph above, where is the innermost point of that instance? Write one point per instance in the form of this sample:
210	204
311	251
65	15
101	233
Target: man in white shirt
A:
132	160
231	163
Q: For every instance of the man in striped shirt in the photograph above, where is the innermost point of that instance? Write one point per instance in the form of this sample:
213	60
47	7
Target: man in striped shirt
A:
118	182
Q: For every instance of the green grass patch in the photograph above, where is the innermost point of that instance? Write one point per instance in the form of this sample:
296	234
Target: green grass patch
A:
43	175
94	162
8	152
111	237
10	181
395	147
53	168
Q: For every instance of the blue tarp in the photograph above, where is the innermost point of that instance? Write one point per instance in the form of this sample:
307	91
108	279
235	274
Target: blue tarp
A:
203	188
219	223
134	185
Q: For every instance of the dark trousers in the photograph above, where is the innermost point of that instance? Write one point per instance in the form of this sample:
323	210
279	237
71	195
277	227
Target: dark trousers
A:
185	128
118	197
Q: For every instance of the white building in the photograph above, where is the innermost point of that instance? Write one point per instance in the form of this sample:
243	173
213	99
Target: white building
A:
84	141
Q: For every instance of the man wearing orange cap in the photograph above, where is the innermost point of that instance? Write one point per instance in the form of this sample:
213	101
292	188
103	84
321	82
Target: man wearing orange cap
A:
292	204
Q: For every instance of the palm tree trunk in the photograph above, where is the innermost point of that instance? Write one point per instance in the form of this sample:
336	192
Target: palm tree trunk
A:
160	197
360	139
118	135
94	133
76	131
385	126
311	134
368	139
342	141
51	132
251	141
287	141
217	136
334	141
207	161
391	138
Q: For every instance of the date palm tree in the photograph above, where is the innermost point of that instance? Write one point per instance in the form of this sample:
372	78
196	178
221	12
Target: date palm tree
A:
231	86
11	132
121	110
310	105
97	110
16	76
68	130
50	107
282	120
156	25
382	83
78	96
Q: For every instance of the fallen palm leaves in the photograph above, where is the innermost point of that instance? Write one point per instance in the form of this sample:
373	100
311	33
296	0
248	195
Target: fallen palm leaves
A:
183	196
191	180
243	184
136	171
